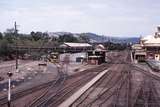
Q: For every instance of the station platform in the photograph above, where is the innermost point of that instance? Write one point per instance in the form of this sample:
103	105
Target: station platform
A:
82	90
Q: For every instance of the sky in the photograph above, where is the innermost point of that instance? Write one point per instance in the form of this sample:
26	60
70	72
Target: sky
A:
104	17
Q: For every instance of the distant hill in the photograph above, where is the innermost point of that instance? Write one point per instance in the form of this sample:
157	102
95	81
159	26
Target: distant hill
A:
94	38
101	38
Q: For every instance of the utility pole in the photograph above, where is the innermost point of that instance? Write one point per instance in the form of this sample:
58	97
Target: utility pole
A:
9	88
15	28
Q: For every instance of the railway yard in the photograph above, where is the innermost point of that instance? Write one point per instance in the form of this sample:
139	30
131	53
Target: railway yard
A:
118	83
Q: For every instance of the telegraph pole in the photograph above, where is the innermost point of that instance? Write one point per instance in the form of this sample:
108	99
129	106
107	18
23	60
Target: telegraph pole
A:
15	28
9	88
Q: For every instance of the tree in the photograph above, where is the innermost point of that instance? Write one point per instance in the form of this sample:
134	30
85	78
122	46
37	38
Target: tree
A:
1	35
45	36
32	33
5	50
115	46
67	38
84	38
54	38
9	35
37	35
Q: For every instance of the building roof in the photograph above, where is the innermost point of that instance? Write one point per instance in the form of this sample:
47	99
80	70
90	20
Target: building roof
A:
74	45
152	42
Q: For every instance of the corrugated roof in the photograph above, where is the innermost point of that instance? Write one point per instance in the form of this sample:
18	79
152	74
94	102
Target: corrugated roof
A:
77	44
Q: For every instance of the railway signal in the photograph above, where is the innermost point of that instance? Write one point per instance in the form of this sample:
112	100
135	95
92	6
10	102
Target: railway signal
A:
9	88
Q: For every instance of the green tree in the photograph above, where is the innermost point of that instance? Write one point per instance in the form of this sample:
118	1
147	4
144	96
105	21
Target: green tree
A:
38	35
1	35
84	38
115	46
5	50
45	36
9	35
67	38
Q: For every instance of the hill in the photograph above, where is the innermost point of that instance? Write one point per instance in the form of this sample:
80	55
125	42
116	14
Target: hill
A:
95	38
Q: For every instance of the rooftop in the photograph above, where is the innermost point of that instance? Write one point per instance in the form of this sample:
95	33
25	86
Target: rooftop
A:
76	44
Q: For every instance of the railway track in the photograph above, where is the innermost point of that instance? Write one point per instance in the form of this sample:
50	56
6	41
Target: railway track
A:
57	97
47	92
106	87
113	89
70	89
146	72
82	100
122	92
50	95
148	88
147	95
110	84
64	92
22	93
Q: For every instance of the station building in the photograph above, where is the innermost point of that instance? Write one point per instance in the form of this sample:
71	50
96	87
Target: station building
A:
97	56
84	52
77	52
148	47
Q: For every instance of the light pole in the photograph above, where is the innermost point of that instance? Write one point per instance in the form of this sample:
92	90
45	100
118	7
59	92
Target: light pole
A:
15	28
9	88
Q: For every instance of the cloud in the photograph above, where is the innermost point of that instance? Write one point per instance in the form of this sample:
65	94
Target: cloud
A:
113	17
